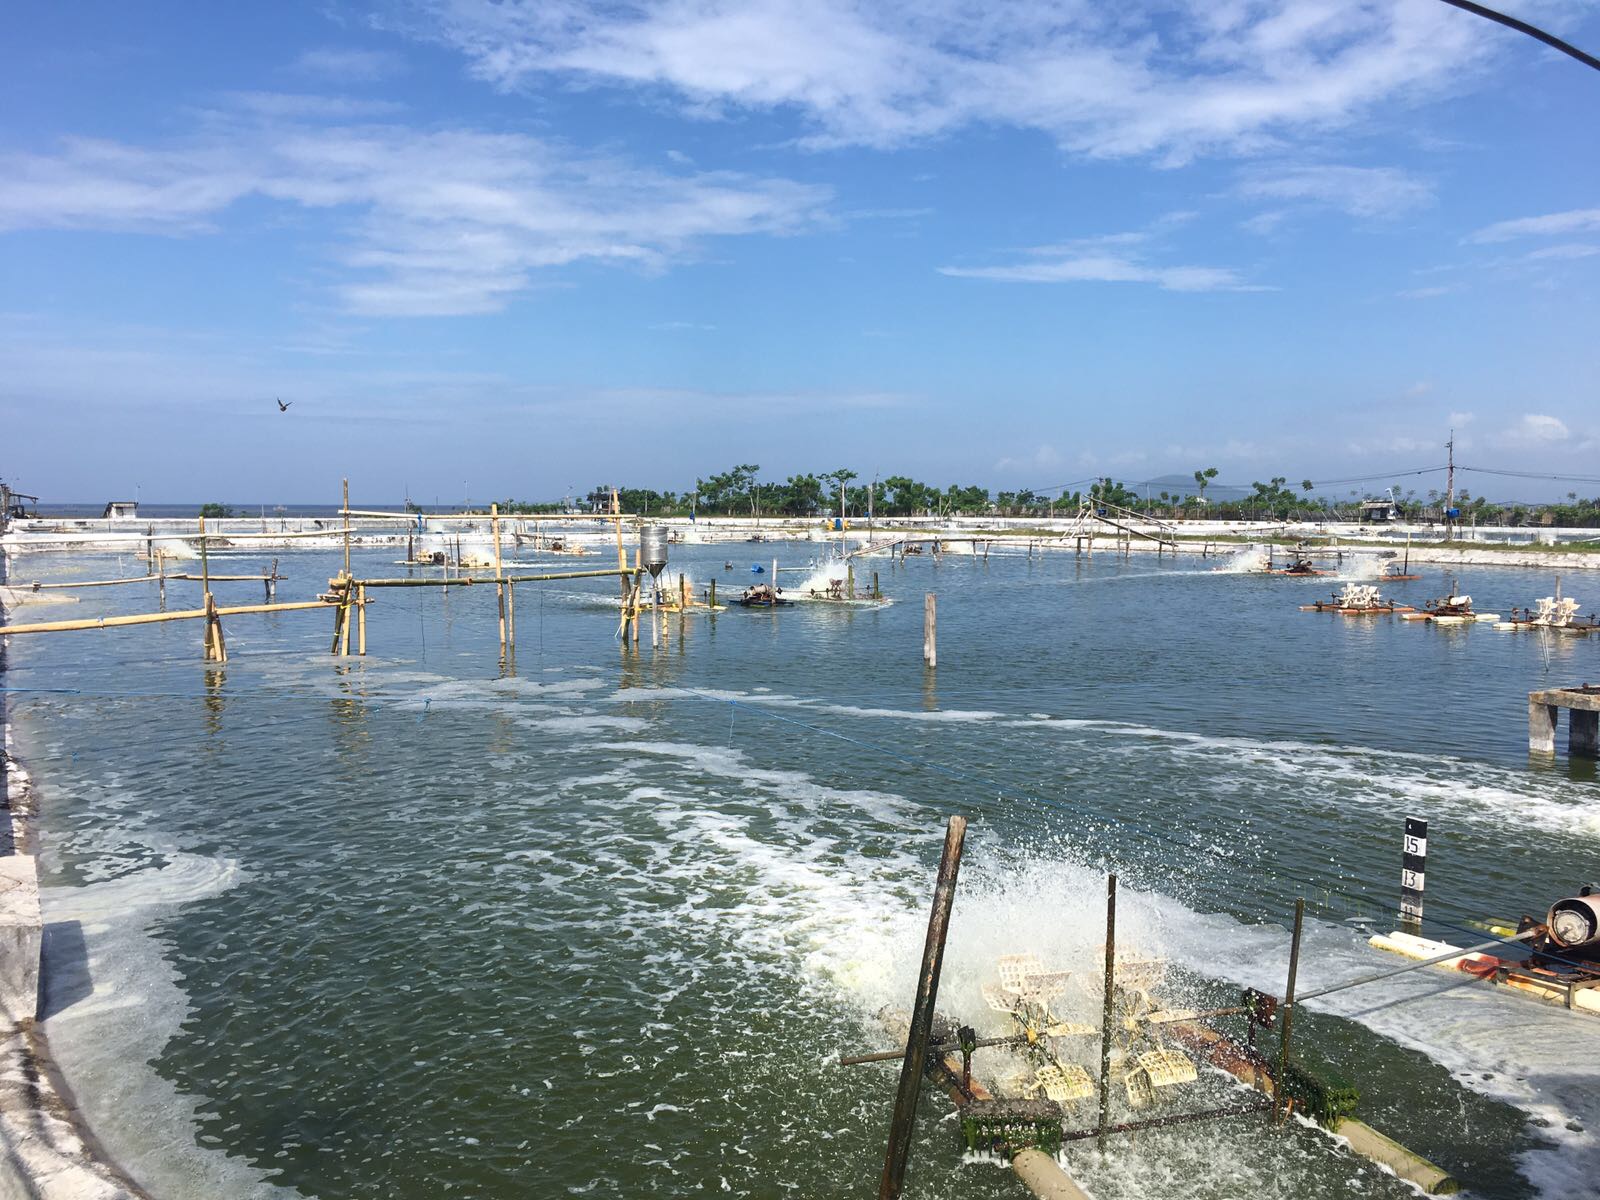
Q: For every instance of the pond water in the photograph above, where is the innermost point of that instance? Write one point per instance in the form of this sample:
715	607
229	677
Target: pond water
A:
414	925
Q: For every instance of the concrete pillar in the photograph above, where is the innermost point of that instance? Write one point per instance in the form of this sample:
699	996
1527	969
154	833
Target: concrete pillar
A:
1583	733
1542	727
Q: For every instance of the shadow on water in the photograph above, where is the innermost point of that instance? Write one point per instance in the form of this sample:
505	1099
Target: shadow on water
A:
64	977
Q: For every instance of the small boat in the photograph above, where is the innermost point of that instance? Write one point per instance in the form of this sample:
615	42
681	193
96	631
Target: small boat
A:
1395	573
1356	600
1552	612
763	595
1450	610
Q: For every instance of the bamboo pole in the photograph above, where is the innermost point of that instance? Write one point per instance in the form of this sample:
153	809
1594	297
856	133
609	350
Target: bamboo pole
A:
1105	1018
344	632
347	528
622	559
187	614
87	583
205	592
711	597
499	585
219	643
361	621
469	581
916	1056
1279	1110
930	636
339	614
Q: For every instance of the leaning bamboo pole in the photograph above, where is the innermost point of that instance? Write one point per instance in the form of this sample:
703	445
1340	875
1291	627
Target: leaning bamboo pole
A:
92	583
187	614
468	580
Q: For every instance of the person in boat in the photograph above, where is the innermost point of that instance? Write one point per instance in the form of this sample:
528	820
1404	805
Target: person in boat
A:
761	593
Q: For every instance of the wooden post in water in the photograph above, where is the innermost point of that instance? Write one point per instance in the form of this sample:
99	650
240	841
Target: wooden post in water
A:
622	560
916	1058
713	593
499	585
208	640
272	582
336	585
930	638
850	581
511	619
1105	1023
347	529
1279	1107
349	602
876	594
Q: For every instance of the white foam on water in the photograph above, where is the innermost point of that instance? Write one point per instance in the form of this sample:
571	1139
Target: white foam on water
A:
106	1041
857	926
1471	791
767	699
1360	567
175	548
1540	1059
1243	561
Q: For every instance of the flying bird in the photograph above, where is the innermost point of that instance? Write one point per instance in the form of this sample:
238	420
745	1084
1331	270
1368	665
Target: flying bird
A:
282	407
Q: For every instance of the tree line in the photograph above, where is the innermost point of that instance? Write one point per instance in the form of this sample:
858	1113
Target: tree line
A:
740	491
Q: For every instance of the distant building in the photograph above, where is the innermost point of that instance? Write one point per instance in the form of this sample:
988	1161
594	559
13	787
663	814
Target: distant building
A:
121	510
600	500
1379	510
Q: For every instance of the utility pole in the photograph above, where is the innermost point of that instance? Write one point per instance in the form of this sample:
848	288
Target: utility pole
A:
1450	485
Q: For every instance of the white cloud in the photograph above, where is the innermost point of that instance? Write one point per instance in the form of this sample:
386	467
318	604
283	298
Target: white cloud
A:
1563	251
345	65
1535	429
1110	258
430	222
1368	192
1042	457
1108	268
1427	293
1167	79
1579	220
1459	419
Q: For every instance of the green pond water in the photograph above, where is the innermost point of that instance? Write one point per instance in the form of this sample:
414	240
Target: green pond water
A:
413	926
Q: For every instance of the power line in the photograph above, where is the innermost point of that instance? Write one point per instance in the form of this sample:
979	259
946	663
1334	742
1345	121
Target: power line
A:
1533	31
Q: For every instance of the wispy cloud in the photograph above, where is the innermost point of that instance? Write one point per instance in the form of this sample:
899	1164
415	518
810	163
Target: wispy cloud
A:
347	65
1565	250
1535	429
1578	220
1170	80
1042	457
432	222
1111	258
1108	268
1428	293
1367	192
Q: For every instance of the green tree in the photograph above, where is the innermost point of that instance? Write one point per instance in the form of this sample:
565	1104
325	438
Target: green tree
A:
215	510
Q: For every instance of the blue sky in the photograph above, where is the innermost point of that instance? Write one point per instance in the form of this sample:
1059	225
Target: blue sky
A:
506	249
